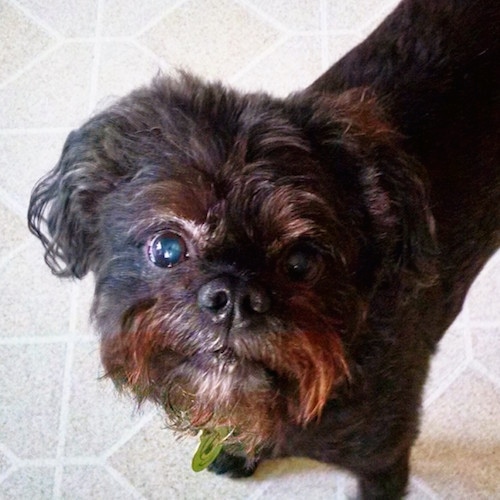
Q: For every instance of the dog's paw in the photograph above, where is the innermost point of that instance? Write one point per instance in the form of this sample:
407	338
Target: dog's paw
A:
232	466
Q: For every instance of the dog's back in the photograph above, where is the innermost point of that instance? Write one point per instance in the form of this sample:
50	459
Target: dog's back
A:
434	66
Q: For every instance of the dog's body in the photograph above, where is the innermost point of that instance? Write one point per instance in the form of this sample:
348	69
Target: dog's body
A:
285	268
434	66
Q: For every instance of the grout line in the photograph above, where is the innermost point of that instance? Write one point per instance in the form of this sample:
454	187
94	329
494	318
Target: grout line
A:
124	482
11	457
66	394
340	483
264	16
104	38
40	340
6	474
55	462
34	131
265	53
481	370
467	327
45	54
94	72
422	485
10	255
445	385
37	20
12	205
90	461
341	32
325	52
129	434
157	19
163	65
463	324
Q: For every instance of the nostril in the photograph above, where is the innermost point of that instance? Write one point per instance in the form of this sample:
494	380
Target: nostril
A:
252	302
218	300
257	301
215	296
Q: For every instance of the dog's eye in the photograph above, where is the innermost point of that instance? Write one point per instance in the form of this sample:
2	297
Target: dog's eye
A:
167	249
303	263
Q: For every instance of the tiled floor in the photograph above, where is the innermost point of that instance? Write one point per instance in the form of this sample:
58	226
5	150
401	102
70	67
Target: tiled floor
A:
63	432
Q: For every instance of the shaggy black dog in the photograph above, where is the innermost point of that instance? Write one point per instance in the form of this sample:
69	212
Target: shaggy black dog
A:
278	272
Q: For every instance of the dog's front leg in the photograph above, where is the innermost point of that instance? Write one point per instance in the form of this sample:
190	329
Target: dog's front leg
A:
386	484
232	465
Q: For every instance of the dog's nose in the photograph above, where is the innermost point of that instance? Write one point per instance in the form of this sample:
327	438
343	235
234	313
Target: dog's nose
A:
229	299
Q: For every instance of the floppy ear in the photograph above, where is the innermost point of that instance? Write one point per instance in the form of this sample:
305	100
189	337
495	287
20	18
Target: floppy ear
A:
366	156
64	206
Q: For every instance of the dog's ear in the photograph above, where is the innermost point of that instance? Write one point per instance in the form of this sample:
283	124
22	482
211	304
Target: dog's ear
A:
358	146
64	206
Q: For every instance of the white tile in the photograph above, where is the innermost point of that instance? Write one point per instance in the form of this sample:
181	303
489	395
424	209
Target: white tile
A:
339	45
457	453
29	156
5	464
448	362
214	39
22	40
124	67
13	226
31	378
53	93
29	483
290	67
486	348
33	302
301	478
97	416
87	482
123	18
483	299
159	465
379	13
294	15
74	18
85	295
347	15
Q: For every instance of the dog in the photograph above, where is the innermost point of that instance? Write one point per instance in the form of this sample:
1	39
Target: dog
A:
278	272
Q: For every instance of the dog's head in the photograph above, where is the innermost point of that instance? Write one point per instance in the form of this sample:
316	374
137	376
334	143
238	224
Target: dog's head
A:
236	241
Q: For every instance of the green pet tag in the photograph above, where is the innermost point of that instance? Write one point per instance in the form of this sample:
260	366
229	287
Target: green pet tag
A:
210	447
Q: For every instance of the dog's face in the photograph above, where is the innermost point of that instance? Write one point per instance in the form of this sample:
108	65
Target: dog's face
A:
236	243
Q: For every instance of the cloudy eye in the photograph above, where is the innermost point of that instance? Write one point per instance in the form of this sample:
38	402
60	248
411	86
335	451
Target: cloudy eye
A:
303	263
167	249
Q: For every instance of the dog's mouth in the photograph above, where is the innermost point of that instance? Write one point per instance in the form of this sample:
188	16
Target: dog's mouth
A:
222	390
251	384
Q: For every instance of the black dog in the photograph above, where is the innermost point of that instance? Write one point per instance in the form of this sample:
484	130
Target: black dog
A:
278	272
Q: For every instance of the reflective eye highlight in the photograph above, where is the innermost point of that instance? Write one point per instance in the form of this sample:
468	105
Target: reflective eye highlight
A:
167	250
303	263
